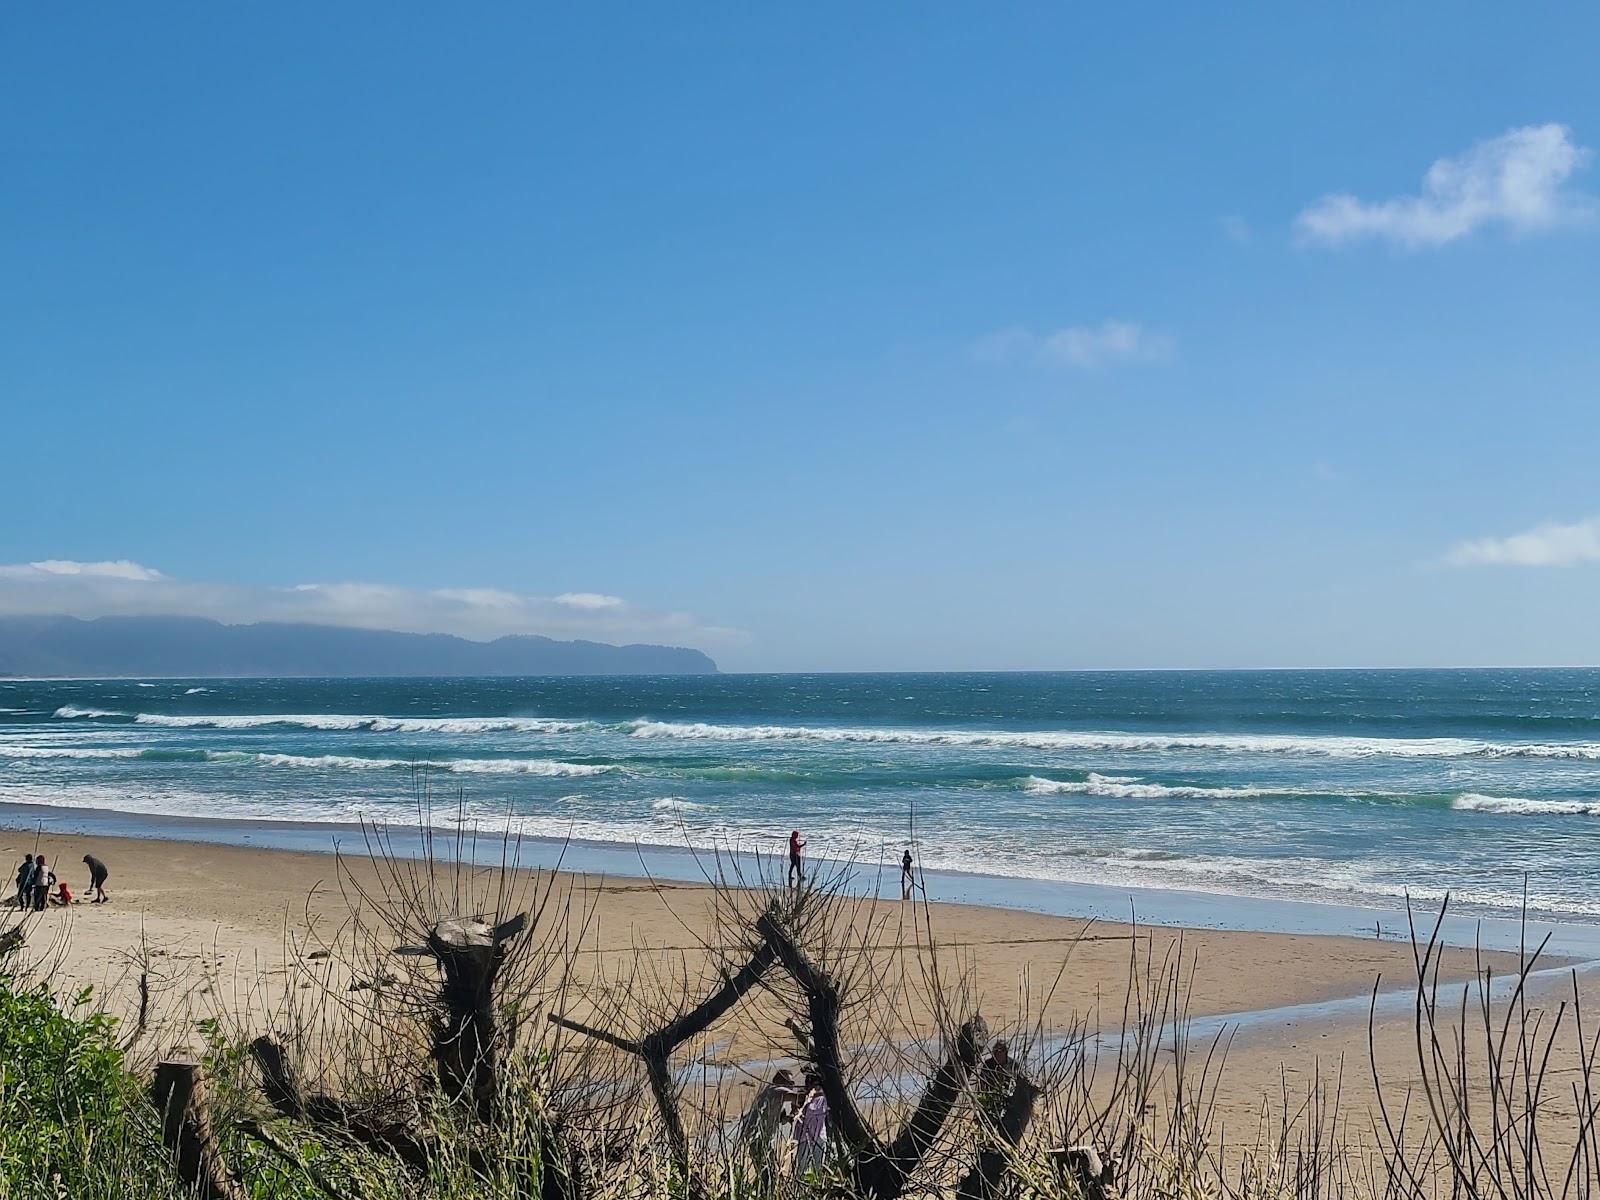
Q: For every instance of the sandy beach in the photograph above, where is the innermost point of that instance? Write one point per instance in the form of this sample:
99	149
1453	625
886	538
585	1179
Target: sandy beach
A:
233	932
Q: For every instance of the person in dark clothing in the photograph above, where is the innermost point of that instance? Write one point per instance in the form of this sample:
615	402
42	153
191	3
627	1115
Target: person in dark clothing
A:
97	878
25	882
908	881
796	872
43	877
997	1079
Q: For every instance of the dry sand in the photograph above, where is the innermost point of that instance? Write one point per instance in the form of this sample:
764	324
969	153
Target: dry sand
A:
224	930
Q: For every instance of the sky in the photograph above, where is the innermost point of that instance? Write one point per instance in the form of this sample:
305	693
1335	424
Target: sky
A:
831	337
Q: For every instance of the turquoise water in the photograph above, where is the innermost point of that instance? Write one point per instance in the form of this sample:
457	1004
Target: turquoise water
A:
1347	787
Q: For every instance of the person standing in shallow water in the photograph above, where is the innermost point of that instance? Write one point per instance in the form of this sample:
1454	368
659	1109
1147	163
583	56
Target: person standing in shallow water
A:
796	871
908	881
97	878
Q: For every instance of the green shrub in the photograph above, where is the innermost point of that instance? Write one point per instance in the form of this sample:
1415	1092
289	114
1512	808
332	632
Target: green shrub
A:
73	1122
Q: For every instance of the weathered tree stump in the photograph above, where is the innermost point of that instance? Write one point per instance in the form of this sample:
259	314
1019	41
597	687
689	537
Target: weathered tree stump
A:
983	1181
466	1048
178	1094
1084	1166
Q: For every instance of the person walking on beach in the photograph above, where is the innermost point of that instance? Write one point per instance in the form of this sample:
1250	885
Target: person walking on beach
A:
97	878
796	871
25	882
908	881
811	1130
43	877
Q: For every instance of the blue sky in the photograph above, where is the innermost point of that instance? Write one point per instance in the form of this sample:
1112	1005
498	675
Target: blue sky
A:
918	337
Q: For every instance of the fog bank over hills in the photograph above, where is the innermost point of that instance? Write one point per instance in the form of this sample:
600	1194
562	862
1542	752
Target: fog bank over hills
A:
198	647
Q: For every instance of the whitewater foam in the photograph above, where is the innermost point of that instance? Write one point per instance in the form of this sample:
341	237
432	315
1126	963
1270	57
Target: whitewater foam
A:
350	762
674	804
1331	746
1315	745
1521	807
10	751
340	722
1122	787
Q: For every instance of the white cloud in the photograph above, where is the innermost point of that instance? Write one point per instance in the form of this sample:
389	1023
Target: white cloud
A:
124	588
1518	180
1083	346
589	600
1549	545
119	569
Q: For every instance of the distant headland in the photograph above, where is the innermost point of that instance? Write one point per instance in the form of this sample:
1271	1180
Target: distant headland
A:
143	647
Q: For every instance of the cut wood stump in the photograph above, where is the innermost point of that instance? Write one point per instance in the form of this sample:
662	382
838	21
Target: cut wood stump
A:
466	1048
179	1096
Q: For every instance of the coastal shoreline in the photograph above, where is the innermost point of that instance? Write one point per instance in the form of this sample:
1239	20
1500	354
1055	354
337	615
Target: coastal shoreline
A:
1170	908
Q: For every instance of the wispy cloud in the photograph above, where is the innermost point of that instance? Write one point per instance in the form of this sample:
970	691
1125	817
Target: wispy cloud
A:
589	600
1518	180
1552	544
65	567
125	588
1082	346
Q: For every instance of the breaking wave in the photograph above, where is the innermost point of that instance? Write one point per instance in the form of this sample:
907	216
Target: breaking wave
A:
1124	787
1311	745
1328	746
1520	807
326	762
376	724
456	766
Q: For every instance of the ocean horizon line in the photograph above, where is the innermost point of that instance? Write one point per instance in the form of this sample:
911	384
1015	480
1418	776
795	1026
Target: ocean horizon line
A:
847	672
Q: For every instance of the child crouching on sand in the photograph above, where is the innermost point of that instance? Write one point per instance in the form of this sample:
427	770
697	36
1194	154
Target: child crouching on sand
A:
63	896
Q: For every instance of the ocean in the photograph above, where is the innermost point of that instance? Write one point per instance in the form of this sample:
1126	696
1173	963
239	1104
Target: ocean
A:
1354	787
